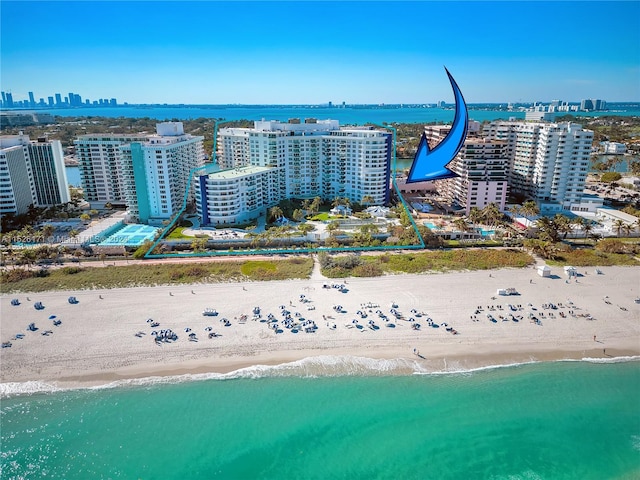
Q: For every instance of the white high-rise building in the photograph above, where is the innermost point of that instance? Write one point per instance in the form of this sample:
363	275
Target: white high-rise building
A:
31	173
100	171
549	162
481	166
156	172
275	161
147	173
17	191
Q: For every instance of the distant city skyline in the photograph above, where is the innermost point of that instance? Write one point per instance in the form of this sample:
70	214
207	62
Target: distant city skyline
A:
365	52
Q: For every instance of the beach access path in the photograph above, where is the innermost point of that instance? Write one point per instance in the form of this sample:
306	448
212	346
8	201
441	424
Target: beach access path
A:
106	336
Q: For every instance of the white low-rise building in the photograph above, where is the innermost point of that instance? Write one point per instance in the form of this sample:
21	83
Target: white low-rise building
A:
237	195
614	148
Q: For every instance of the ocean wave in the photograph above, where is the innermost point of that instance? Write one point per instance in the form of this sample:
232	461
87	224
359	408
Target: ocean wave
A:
624	359
454	369
11	389
310	367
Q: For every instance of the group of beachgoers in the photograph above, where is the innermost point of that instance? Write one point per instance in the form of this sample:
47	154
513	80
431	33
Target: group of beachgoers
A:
535	315
56	322
369	317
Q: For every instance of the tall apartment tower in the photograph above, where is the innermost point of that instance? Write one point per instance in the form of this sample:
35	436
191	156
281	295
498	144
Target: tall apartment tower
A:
274	161
548	161
482	169
16	188
156	172
31	172
49	174
100	167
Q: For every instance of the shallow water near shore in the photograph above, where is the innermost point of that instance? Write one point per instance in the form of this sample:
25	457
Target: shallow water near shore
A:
547	420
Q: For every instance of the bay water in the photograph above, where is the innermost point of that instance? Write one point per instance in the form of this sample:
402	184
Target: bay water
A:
559	420
348	115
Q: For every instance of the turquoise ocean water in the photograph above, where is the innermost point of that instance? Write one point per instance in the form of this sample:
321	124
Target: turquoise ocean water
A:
561	420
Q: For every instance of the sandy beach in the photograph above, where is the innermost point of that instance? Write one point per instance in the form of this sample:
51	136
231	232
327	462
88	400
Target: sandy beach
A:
107	335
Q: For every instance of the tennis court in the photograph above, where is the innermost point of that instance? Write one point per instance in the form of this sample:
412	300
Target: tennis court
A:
132	235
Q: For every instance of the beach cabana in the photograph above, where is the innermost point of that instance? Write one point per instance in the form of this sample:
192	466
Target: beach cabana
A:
570	271
544	271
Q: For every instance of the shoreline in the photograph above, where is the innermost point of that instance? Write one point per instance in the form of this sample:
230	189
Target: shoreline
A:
288	369
96	344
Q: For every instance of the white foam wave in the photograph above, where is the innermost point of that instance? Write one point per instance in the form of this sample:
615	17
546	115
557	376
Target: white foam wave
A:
458	370
310	367
624	359
10	389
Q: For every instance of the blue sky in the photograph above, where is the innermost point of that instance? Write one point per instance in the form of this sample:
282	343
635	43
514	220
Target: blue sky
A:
292	52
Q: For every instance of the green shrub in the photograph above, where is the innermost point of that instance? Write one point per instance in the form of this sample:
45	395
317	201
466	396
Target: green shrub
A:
71	270
609	177
253	267
368	270
176	275
613	245
197	272
15	275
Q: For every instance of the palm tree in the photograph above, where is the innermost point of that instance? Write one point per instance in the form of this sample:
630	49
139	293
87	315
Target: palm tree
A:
28	255
547	229
315	206
515	210
529	209
73	234
305	228
618	225
475	215
587	228
461	224
275	212
306	205
367	199
491	214
332	227
298	215
578	222
562	224
47	231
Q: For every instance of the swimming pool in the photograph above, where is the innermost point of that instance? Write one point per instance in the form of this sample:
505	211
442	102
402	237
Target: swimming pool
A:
431	226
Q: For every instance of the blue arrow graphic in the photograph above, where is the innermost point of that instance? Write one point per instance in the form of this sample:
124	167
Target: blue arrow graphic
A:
432	164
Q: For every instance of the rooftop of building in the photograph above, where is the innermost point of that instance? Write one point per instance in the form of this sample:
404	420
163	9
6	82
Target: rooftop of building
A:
237	172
